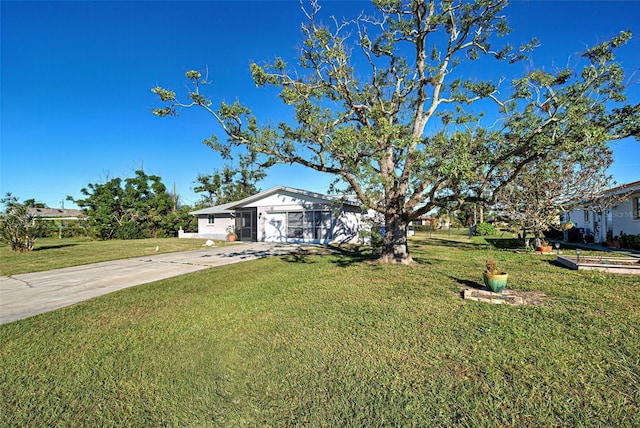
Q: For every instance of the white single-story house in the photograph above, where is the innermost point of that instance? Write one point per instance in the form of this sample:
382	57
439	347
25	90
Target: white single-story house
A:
284	214
622	216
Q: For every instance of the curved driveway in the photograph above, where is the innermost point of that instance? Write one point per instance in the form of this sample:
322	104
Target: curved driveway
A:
29	294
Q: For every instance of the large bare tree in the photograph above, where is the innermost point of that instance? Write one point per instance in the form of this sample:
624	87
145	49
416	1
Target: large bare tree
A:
389	102
547	188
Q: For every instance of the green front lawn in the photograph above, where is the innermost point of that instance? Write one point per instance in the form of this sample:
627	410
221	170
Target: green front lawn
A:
335	341
53	253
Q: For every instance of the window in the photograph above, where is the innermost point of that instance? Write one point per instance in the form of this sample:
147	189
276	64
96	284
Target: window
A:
636	207
294	225
310	225
211	219
586	215
322	224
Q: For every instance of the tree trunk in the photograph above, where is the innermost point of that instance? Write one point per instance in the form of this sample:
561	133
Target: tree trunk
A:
395	248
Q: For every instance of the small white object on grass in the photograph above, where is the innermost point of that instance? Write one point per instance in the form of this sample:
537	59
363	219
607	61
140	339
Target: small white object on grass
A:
157	248
209	243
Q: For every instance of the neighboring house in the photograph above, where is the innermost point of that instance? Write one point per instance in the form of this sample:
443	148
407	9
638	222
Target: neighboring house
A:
60	216
57	214
598	219
425	220
283	214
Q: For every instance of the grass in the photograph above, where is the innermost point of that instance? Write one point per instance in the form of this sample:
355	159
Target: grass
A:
53	253
335	341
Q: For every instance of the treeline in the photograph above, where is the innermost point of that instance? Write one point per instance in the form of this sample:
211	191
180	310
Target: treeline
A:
133	208
129	208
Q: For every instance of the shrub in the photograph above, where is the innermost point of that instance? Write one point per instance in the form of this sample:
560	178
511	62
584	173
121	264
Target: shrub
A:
422	227
129	230
485	229
553	234
375	236
629	241
18	228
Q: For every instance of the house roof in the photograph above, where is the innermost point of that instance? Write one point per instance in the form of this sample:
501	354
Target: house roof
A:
56	213
217	209
231	206
623	188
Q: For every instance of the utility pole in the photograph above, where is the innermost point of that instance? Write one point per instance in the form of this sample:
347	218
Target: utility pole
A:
175	198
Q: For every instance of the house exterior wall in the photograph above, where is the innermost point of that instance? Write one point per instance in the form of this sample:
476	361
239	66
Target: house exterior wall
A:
272	227
618	219
217	230
321	221
581	220
339	225
625	217
347	228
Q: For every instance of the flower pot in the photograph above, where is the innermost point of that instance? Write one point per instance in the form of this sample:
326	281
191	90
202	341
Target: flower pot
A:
231	238
496	282
545	248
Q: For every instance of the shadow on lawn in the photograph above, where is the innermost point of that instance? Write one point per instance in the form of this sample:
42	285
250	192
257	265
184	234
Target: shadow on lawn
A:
505	243
497	243
353	255
301	256
470	284
449	243
53	247
346	256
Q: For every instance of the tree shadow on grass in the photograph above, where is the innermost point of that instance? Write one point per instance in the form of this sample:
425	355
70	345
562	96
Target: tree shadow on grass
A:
504	243
422	260
430	242
344	255
301	256
54	246
350	255
497	243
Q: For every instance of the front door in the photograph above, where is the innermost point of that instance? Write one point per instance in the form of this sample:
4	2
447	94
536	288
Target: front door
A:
247	224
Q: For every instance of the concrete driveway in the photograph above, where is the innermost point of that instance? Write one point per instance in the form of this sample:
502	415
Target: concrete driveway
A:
29	294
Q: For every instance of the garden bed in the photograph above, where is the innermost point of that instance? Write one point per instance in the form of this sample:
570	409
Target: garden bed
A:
620	265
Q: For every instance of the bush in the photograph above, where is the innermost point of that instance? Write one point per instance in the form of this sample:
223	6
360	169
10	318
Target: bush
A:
375	236
629	241
422	228
553	234
18	228
129	230
485	229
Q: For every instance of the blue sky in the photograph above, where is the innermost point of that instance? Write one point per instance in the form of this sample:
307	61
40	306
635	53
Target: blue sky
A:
76	79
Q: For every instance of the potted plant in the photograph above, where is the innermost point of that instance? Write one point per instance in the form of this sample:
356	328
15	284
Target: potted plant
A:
231	234
544	247
494	278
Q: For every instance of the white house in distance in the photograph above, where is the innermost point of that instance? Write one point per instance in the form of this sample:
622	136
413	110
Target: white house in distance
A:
623	216
284	214
61	216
